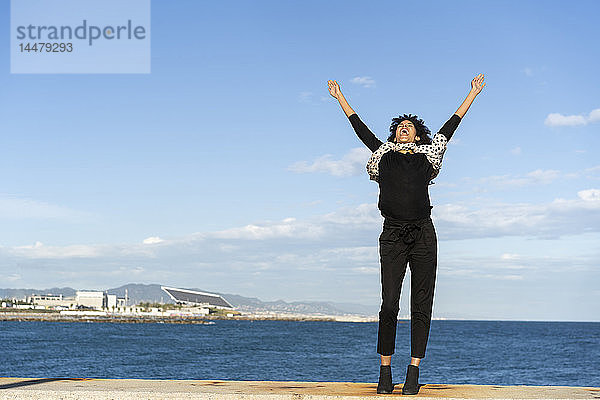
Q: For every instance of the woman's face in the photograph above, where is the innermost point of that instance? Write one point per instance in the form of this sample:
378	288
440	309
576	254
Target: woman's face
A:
406	132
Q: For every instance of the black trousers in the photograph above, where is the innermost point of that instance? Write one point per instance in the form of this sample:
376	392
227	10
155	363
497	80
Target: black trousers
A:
415	243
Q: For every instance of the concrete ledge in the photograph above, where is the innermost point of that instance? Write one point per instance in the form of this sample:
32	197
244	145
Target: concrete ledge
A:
92	389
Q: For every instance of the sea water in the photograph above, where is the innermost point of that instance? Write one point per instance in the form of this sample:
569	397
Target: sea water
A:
458	352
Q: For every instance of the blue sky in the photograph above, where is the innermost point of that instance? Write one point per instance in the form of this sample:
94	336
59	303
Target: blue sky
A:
230	168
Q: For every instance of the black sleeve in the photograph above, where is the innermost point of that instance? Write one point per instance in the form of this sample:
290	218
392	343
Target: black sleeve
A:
450	126
364	133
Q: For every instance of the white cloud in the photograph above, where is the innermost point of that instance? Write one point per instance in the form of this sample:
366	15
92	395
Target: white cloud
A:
549	220
347	233
536	177
364	81
591	195
153	240
352	163
293	257
556	119
516	266
39	250
594	115
516	151
348	228
363	214
528	71
12	277
594	169
358	253
367	270
542	176
287	228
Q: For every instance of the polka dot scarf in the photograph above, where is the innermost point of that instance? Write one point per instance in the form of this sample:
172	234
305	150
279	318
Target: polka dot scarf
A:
434	152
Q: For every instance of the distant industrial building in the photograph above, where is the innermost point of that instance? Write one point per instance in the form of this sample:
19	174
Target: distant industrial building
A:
51	300
98	300
110	301
194	298
89	299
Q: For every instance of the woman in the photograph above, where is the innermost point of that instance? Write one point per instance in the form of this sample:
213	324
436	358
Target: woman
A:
404	167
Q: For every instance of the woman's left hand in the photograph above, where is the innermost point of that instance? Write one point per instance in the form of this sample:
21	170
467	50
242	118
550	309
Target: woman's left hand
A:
476	84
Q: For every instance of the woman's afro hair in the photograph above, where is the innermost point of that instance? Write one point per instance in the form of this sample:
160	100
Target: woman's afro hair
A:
423	132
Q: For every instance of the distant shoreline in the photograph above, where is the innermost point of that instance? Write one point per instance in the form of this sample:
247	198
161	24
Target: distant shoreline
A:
137	319
52	316
122	319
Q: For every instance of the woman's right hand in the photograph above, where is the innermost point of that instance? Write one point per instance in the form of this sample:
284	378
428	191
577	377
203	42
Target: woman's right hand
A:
334	89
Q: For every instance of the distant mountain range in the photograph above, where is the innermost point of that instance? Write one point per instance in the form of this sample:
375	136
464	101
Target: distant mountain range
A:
153	293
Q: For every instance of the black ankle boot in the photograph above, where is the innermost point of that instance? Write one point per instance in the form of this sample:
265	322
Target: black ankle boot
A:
411	385
385	385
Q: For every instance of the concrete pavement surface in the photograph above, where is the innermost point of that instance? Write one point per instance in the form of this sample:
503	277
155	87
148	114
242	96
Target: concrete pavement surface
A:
92	389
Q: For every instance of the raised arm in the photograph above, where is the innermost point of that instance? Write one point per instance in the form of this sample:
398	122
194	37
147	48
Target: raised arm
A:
449	127
362	131
435	150
334	90
476	87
